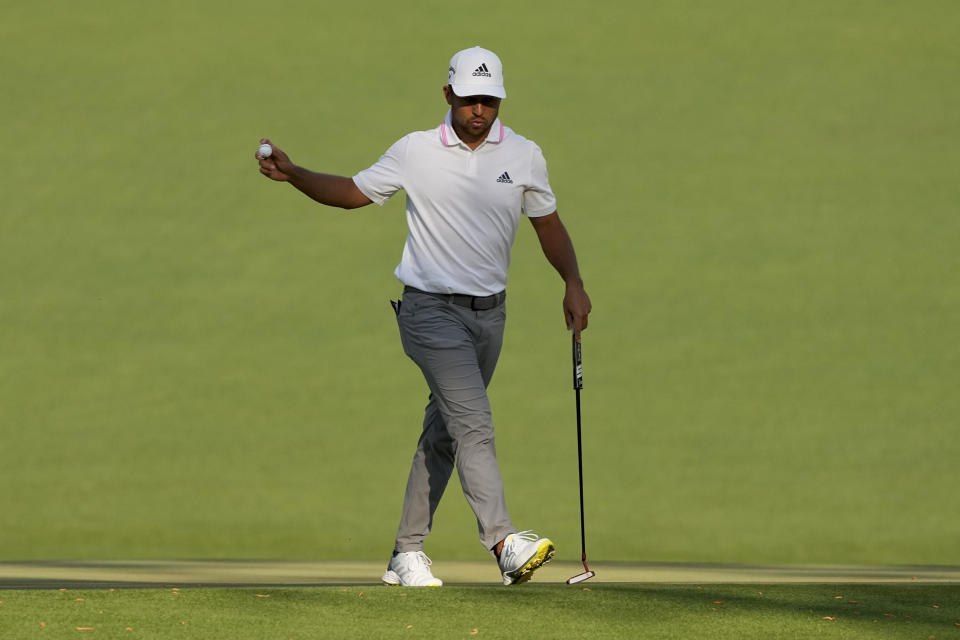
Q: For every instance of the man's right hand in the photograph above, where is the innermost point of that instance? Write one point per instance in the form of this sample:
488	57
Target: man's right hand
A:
278	166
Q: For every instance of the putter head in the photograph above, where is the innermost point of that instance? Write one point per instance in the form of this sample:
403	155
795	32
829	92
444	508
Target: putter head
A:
586	575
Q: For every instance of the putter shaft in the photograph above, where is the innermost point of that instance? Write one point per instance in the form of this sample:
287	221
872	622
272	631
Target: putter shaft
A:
577	386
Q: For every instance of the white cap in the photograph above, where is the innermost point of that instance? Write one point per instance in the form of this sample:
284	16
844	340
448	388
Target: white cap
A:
476	72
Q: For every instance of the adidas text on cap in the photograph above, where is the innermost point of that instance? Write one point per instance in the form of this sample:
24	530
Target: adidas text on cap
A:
476	72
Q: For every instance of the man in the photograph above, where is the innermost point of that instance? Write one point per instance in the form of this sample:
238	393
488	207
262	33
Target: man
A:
467	182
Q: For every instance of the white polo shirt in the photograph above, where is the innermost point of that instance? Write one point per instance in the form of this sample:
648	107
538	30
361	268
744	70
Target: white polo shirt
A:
463	205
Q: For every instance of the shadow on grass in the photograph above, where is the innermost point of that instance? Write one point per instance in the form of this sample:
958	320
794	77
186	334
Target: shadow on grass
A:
21	584
904	603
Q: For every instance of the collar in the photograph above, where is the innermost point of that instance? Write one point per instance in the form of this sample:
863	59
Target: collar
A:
449	137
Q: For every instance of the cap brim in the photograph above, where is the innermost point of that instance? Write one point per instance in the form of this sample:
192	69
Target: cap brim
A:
465	90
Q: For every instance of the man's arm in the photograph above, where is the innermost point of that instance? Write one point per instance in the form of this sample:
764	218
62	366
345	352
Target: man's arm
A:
558	248
335	191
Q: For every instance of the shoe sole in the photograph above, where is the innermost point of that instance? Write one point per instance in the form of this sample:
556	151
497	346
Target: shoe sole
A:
391	579
545	551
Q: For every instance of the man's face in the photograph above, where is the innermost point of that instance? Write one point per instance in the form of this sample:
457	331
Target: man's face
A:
472	115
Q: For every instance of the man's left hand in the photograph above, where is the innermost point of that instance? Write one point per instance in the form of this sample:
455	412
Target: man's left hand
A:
576	307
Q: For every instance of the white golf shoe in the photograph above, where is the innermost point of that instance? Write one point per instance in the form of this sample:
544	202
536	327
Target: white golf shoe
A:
410	569
522	554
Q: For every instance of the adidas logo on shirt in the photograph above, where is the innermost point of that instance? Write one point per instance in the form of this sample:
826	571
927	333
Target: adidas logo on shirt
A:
483	71
505	178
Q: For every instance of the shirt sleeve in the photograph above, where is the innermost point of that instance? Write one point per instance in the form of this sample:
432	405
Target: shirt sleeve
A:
538	197
385	177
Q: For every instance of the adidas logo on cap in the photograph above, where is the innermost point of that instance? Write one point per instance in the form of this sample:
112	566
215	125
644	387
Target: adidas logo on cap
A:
505	178
483	71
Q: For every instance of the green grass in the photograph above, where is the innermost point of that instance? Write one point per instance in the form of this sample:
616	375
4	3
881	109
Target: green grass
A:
536	611
196	363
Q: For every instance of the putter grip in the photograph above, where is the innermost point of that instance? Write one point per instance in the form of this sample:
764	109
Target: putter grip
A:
577	364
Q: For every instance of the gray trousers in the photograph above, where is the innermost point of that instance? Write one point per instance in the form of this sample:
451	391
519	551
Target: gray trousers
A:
456	348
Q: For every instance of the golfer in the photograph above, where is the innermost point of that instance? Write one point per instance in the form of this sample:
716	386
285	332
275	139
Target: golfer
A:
468	182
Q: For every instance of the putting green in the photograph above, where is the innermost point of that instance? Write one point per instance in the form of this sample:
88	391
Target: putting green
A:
232	573
199	363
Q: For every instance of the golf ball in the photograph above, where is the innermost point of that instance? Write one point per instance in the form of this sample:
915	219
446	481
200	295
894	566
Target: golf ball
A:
265	150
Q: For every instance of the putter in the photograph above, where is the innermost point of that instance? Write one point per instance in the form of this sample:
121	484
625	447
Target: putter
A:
577	385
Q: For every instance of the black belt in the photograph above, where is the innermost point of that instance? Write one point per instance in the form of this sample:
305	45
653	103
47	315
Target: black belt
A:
477	303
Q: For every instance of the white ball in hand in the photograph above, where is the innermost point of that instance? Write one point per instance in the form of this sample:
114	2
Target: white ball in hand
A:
265	150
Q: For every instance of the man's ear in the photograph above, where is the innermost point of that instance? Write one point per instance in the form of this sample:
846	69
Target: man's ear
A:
448	94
